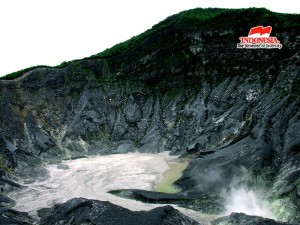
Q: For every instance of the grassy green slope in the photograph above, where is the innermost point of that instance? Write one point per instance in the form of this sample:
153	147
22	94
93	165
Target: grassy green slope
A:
193	20
196	19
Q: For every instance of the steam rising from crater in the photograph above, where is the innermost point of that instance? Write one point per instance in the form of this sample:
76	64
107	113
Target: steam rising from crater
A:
241	199
249	202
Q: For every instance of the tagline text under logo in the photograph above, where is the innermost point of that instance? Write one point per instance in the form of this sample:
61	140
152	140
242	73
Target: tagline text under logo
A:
259	37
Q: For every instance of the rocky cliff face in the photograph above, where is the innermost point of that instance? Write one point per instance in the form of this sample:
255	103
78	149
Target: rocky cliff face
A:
185	90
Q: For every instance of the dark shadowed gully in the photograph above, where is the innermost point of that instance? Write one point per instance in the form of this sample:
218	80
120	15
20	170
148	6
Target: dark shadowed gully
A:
184	87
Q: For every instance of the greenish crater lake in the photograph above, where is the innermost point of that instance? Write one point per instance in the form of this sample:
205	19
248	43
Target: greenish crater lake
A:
172	174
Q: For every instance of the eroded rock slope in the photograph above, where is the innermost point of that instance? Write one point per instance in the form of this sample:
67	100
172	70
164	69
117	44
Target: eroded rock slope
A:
182	87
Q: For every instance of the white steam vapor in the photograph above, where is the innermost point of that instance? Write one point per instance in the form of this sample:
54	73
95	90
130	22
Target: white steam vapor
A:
249	202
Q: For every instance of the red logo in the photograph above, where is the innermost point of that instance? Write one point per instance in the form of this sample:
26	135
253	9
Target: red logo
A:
259	37
260	31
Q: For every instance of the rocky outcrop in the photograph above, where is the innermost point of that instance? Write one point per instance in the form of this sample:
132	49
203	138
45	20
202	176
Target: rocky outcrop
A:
241	218
10	216
84	211
152	196
183	85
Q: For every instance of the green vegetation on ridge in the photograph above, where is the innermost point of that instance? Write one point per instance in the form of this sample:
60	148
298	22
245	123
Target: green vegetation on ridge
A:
20	73
200	18
188	21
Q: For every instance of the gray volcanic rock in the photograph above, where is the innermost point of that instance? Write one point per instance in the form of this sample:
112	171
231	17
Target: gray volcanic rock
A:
39	139
12	217
241	218
84	211
4	200
183	87
150	196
